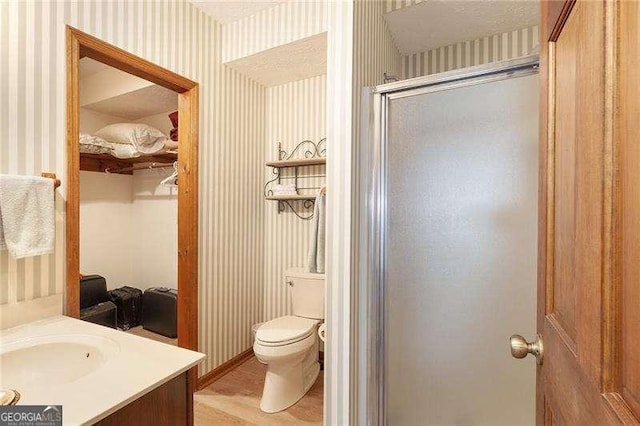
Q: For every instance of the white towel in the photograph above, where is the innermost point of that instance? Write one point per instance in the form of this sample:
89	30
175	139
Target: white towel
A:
315	259
27	215
284	190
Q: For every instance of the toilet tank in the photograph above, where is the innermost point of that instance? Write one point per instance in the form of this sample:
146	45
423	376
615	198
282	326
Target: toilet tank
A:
307	293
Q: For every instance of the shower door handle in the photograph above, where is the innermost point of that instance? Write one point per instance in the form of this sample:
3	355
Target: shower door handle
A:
520	348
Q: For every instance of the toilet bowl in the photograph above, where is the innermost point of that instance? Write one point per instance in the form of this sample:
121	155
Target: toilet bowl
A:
288	345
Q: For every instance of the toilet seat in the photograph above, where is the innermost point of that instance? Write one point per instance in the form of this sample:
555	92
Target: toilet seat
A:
285	330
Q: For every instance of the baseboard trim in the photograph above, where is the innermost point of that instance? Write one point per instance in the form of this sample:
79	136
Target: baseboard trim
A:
224	368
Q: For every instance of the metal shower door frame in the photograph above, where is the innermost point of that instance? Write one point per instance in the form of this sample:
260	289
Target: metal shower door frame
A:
370	322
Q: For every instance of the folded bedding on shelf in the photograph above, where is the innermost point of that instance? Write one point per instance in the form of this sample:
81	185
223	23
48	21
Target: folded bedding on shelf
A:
127	140
121	150
171	145
90	144
145	139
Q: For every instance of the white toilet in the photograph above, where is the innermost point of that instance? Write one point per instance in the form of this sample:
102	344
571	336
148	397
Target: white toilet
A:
288	345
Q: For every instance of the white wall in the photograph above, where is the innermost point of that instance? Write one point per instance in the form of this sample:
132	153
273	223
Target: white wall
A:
106	227
129	228
154	236
92	121
107	84
340	86
159	121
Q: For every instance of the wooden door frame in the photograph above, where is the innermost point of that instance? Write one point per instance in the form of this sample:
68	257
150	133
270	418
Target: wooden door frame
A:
79	45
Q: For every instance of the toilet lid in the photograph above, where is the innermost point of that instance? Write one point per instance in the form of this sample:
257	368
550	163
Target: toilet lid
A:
287	329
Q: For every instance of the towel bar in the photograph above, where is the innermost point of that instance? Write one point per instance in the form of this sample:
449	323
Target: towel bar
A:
56	181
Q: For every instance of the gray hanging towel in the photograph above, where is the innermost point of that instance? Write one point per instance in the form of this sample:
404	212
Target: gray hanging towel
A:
315	259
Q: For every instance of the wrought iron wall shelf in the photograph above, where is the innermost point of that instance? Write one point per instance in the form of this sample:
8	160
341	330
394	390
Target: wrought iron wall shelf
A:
298	162
290	197
313	154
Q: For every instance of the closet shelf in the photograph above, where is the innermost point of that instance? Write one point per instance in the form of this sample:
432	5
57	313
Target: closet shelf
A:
101	162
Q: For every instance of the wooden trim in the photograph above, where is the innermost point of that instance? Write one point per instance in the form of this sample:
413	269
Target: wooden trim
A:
224	368
72	295
188	220
556	15
543	410
113	56
192	382
101	162
611	248
80	45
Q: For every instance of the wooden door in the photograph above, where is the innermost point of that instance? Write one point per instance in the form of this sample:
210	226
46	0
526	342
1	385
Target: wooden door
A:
589	241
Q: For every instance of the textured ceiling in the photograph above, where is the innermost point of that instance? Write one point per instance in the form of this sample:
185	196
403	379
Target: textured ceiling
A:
293	61
125	101
232	10
90	67
436	23
137	104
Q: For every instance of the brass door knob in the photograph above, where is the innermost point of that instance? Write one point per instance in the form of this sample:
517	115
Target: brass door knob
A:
520	348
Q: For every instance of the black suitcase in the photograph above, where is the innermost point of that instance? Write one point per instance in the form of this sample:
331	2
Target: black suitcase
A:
128	300
93	290
160	311
103	314
95	305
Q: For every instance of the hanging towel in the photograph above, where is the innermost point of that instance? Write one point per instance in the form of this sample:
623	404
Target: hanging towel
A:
315	260
27	215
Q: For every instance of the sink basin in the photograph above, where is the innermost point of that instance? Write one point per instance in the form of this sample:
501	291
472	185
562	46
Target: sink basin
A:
52	360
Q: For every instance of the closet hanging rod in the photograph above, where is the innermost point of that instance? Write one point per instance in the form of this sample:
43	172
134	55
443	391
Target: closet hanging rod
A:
139	167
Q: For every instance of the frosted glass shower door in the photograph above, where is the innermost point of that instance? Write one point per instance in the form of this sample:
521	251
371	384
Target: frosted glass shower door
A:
461	254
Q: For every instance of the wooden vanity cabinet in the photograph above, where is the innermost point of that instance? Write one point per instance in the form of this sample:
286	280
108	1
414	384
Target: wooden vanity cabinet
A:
166	405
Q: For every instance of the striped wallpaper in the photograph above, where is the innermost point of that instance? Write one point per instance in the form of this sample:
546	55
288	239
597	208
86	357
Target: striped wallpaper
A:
32	139
295	112
496	47
281	24
245	245
32	90
231	216
391	5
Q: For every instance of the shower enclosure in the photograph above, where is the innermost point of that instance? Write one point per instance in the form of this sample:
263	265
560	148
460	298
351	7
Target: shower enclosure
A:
449	228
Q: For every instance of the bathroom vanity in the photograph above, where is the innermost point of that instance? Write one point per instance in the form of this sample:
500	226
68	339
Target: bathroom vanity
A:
165	405
98	375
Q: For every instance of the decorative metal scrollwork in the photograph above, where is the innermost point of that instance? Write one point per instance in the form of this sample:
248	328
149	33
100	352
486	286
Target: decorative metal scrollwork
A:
306	149
267	191
312	149
307	204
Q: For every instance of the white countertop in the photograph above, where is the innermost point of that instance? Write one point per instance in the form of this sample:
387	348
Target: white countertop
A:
138	366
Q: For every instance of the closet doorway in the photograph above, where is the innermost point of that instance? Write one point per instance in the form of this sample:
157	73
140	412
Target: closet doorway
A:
85	51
